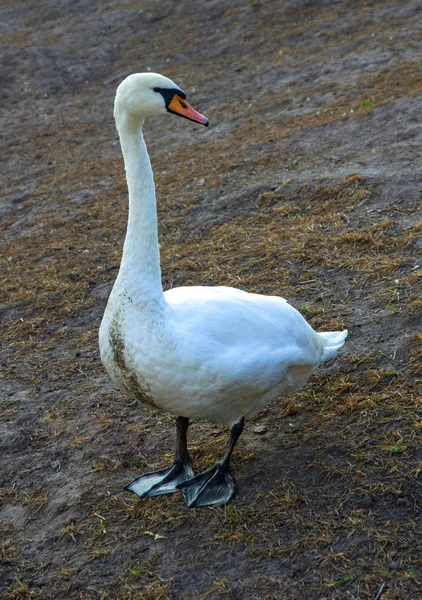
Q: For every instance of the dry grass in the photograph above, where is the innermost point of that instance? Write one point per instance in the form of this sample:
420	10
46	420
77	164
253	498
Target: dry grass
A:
329	495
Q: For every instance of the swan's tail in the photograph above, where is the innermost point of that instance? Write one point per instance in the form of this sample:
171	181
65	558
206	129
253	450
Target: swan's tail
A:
333	341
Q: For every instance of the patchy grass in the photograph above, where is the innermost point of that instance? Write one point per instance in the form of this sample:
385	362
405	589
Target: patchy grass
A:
329	491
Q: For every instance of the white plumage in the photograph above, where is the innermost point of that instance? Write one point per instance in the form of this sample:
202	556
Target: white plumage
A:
214	353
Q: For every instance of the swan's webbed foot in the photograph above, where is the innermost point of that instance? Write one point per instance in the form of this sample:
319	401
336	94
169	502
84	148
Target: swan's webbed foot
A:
212	487
215	486
164	481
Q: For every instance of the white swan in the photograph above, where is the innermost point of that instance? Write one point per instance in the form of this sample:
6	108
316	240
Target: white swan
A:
214	353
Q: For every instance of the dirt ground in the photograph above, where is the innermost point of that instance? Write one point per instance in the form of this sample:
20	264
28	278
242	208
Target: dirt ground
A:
306	184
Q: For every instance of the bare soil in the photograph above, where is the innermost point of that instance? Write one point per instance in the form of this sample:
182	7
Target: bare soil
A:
307	184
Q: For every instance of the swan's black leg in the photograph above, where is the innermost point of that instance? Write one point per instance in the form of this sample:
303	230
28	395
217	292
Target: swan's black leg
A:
166	481
215	486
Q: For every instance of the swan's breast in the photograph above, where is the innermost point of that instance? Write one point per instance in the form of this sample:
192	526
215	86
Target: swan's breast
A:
122	371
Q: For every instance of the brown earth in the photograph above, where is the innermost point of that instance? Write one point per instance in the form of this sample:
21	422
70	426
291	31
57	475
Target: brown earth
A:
307	184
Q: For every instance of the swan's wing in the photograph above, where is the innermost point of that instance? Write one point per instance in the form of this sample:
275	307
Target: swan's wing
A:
241	336
236	318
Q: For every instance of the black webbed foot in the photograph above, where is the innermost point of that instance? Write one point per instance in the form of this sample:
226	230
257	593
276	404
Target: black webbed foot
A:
164	481
213	487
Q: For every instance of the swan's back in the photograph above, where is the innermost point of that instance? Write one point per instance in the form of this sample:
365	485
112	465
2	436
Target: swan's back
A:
249	327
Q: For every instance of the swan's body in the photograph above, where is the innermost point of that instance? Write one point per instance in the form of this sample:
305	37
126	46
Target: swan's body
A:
213	353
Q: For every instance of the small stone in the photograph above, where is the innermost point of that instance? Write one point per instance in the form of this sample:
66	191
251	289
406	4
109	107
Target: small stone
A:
393	554
260	429
394	565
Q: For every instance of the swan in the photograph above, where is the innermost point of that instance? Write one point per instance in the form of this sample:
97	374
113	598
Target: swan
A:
215	353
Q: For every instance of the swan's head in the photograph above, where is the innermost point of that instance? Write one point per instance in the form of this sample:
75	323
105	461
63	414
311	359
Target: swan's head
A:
144	94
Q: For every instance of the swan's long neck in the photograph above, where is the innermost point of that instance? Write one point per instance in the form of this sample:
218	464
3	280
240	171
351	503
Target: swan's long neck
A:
140	267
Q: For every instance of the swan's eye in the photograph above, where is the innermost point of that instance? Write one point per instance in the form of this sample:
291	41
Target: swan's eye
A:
156	89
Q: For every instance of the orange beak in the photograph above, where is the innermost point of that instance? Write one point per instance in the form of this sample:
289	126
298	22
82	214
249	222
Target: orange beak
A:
180	107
